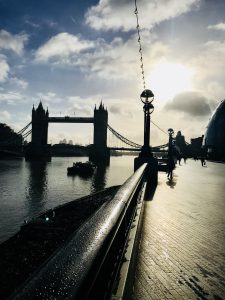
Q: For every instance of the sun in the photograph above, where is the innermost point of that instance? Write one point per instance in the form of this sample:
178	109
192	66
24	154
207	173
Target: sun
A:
169	79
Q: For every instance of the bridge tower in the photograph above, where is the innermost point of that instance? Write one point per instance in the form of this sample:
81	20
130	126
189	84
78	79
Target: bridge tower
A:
38	149
99	149
39	126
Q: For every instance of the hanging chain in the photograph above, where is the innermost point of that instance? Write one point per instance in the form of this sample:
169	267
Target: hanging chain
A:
141	57
140	47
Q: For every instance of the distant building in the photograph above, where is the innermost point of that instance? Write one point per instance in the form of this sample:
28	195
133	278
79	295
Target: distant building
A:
180	142
62	149
214	140
195	148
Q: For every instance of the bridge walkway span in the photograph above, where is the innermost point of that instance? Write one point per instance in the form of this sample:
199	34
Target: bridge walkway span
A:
70	120
182	249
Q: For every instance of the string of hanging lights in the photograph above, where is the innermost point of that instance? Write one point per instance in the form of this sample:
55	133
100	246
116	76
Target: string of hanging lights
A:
140	47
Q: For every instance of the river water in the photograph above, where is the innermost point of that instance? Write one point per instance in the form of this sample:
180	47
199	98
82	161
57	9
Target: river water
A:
29	188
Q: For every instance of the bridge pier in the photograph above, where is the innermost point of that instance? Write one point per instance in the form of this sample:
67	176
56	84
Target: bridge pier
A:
98	155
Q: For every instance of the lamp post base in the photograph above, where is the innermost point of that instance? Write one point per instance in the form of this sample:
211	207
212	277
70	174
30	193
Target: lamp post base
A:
146	156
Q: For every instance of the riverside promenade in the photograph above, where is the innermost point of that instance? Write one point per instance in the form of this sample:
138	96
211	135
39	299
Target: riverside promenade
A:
182	248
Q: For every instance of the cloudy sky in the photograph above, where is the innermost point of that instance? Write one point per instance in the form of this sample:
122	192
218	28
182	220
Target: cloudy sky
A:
72	54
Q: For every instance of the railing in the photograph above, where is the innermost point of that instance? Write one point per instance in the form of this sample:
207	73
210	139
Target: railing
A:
87	265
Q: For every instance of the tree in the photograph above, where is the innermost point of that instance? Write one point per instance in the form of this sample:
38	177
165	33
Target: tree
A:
8	136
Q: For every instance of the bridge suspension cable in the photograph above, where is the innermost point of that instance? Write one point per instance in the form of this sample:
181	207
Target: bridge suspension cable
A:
26	134
123	139
133	144
24	128
159	127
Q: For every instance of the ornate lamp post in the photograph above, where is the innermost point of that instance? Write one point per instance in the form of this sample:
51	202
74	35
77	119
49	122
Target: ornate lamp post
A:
170	146
146	155
147	98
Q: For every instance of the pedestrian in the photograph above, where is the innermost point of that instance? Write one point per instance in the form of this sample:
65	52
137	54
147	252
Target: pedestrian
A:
203	161
170	168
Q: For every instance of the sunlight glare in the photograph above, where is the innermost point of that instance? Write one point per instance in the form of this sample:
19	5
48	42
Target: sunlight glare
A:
169	79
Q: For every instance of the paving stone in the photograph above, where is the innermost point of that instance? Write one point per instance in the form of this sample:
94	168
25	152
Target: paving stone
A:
182	249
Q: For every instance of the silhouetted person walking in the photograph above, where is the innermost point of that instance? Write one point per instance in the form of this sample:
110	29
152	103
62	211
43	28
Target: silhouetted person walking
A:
203	161
179	159
170	168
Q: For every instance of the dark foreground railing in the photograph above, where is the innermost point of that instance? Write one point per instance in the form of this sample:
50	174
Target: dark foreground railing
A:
86	266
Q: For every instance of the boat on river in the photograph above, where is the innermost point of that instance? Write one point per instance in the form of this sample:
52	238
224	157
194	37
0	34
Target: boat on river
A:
81	168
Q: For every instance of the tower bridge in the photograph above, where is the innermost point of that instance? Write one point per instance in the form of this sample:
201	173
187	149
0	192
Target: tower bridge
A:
39	149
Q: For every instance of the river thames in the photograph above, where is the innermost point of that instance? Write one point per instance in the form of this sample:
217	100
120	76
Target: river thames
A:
29	188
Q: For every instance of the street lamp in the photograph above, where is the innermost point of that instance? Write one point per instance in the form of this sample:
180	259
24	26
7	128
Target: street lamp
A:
146	155
170	147
147	98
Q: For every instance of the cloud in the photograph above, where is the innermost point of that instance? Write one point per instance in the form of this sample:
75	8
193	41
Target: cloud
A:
215	47
119	14
209	63
12	42
52	24
80	106
192	103
114	60
4	68
11	97
19	82
216	91
122	111
212	52
66	105
62	46
81	110
218	26
49	98
32	24
5	116
120	59
115	109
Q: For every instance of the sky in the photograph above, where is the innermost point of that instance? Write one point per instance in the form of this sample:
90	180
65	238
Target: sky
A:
72	54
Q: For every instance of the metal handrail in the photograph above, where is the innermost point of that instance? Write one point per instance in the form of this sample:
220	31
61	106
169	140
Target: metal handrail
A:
76	268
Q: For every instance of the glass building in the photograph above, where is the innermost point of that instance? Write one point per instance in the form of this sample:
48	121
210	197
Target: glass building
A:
214	139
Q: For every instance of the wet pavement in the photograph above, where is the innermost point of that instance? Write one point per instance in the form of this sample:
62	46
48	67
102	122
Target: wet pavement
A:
182	249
